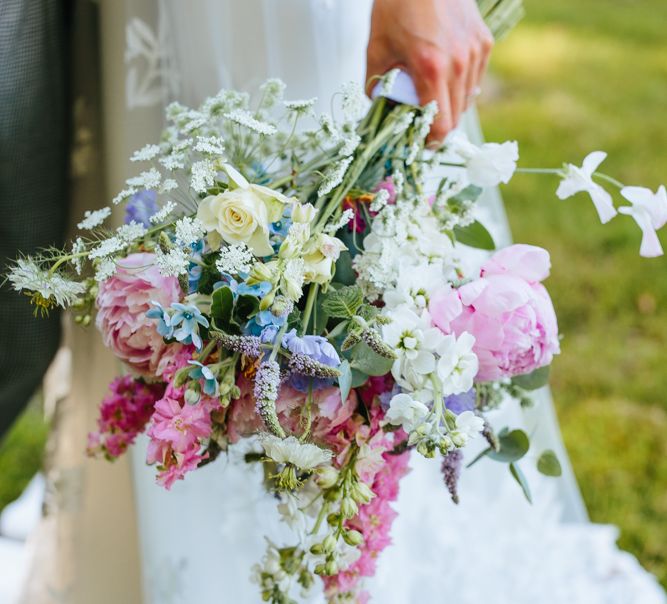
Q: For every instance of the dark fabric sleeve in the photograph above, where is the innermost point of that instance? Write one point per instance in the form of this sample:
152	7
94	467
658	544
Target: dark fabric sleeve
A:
33	182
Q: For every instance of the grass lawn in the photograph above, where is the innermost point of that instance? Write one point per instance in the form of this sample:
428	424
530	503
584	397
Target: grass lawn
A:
578	76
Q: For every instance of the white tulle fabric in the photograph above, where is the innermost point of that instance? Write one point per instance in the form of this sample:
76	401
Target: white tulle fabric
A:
200	540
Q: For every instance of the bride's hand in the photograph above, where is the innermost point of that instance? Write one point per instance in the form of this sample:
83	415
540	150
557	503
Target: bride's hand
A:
443	44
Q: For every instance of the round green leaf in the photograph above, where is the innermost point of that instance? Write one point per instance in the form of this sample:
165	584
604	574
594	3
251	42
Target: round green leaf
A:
548	464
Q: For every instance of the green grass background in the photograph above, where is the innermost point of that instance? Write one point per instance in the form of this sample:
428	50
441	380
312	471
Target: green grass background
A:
576	76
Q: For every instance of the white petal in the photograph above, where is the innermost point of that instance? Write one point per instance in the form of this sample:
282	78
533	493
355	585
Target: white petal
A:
592	162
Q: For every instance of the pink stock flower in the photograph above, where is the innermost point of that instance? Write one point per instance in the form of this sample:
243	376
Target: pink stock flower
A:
124	413
508	311
180	425
122	303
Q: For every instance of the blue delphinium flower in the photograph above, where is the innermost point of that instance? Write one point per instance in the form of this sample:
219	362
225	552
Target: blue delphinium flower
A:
458	403
164	327
189	317
318	349
140	207
202	372
258	290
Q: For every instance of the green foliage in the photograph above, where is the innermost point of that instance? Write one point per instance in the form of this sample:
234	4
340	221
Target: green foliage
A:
548	464
369	362
475	235
520	477
513	446
534	380
343	303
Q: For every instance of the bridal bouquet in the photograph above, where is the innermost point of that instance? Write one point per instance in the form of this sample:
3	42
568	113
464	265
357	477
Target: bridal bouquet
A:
304	281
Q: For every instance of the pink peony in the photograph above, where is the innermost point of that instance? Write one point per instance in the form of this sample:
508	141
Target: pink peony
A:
124	413
508	311
122	303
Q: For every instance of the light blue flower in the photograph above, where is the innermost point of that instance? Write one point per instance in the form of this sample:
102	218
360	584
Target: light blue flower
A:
164	327
318	349
202	372
258	290
189	318
141	206
263	320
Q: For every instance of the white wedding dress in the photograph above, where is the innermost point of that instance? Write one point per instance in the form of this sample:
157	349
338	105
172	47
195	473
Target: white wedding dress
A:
199	541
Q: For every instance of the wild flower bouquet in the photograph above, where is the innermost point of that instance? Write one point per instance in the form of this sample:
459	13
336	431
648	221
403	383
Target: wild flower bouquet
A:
302	281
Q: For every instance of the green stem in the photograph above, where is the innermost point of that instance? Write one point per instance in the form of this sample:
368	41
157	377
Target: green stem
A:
310	302
609	179
278	342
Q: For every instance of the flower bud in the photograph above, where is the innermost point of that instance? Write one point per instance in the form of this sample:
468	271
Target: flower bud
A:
362	493
263	271
320	569
348	507
459	439
330	568
303	212
329	543
332	495
353	538
333	519
327	477
317	549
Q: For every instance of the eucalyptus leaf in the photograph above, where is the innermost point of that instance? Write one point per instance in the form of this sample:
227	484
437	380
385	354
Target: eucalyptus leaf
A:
470	193
548	464
343	303
520	477
534	380
475	235
513	446
369	362
345	379
359	378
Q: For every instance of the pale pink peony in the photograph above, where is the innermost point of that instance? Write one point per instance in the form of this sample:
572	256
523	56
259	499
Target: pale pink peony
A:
508	311
122	303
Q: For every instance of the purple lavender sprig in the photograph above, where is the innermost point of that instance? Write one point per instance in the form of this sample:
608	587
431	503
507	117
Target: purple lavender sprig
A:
250	346
304	365
267	385
451	471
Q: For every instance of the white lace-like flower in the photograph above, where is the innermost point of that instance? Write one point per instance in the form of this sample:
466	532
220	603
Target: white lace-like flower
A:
380	200
27	275
245	118
350	143
578	180
105	269
188	230
173	263
304	456
203	175
163	212
344	220
333	176
174	161
235	259
354	101
458	364
130	232
123	195
488	165
301	106
272	91
649	210
77	248
405	411
107	247
168	185
146	180
211	145
95	218
146	153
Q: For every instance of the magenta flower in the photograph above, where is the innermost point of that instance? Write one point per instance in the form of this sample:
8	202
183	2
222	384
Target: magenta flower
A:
124	413
508	311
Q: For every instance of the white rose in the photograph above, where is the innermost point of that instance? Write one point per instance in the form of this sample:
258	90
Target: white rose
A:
243	215
320	255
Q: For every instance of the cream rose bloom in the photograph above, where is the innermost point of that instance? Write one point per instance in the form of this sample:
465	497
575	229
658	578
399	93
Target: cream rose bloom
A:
320	255
242	214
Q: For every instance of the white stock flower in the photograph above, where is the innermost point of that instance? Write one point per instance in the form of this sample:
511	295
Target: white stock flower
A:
415	341
488	165
468	426
304	456
458	364
578	180
414	286
649	210
405	411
